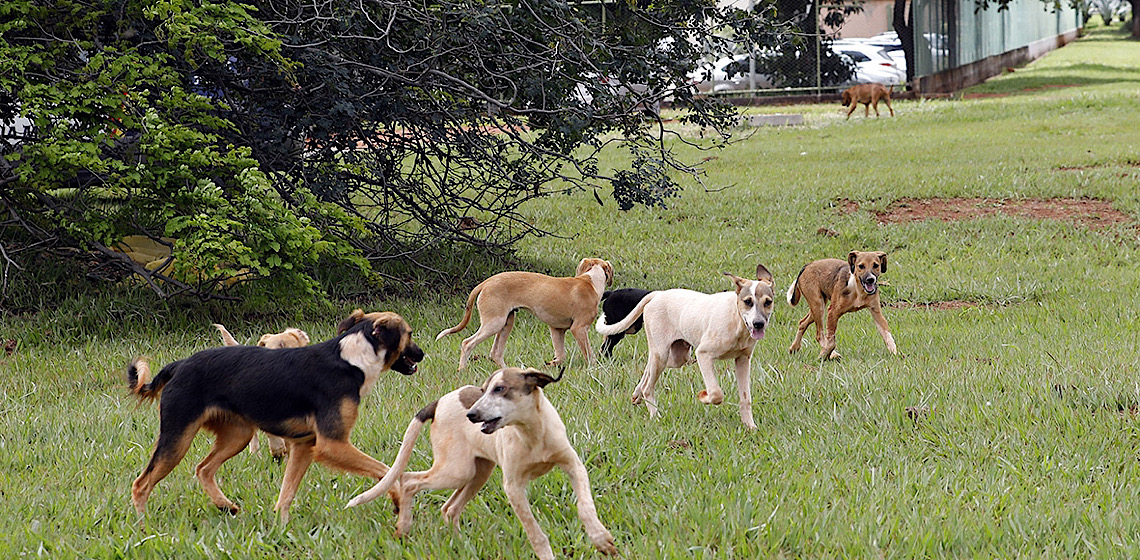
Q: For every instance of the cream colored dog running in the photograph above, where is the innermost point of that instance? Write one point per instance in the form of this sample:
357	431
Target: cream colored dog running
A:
508	422
721	326
288	338
562	303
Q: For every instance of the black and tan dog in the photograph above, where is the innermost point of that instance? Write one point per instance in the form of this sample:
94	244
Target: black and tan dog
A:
288	338
849	286
869	95
617	304
308	395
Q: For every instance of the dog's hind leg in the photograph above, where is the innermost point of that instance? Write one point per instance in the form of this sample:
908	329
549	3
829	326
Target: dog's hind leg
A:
744	389
644	390
458	500
231	439
711	394
171	447
498	348
444	473
300	458
827	343
608	344
800	330
580	332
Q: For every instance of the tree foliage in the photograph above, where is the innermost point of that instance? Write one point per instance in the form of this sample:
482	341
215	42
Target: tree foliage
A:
272	138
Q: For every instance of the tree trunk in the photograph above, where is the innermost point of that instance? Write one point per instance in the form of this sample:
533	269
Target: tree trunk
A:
904	26
1136	19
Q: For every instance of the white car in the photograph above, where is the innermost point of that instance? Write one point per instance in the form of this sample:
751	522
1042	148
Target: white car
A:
872	63
729	74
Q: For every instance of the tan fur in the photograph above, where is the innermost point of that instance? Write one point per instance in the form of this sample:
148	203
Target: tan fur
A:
527	440
840	283
288	338
565	304
869	95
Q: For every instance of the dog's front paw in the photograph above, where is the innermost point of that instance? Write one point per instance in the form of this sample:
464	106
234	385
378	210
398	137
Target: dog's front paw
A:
706	398
604	543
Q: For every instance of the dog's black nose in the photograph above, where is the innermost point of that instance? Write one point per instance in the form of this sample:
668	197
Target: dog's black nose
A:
471	416
758	325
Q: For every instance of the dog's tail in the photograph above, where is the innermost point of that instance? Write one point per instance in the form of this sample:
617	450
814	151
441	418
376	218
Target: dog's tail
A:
466	313
625	323
400	465
794	289
227	338
138	377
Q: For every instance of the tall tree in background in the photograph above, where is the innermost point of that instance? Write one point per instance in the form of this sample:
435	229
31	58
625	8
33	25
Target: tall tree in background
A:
280	138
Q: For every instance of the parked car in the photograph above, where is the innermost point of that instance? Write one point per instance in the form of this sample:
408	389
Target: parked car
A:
729	74
872	63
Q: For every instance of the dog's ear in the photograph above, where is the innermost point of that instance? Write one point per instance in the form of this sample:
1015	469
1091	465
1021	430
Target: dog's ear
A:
583	266
846	97
264	339
535	378
355	317
763	275
389	328
851	260
609	268
882	261
737	281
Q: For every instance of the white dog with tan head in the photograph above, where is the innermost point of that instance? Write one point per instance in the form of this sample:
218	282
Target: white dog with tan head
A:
721	326
508	421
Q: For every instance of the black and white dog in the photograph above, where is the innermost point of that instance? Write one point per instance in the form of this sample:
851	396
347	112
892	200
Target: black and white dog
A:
309	396
616	304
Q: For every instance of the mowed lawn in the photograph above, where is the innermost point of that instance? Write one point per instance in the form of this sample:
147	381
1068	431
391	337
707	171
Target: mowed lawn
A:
1007	426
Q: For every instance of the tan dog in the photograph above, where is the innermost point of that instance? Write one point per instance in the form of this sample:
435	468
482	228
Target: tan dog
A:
850	286
721	326
508	422
288	338
869	95
563	303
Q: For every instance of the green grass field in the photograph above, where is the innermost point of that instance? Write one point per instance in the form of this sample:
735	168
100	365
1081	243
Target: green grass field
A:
1025	441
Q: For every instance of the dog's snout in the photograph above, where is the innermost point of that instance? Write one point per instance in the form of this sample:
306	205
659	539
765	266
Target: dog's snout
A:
758	324
473	416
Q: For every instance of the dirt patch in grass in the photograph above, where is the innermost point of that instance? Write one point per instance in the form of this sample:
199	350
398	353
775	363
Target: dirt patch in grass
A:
1088	212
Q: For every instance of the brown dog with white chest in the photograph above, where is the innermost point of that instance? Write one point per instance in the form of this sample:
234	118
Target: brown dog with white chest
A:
869	95
565	304
849	286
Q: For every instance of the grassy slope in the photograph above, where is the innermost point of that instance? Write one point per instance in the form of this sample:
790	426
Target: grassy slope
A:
1000	465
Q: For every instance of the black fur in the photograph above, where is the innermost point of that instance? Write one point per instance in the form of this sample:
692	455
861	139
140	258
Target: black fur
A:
269	387
307	395
616	304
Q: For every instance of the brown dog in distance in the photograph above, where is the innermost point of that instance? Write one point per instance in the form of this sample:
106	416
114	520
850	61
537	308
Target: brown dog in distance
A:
849	286
562	303
869	95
